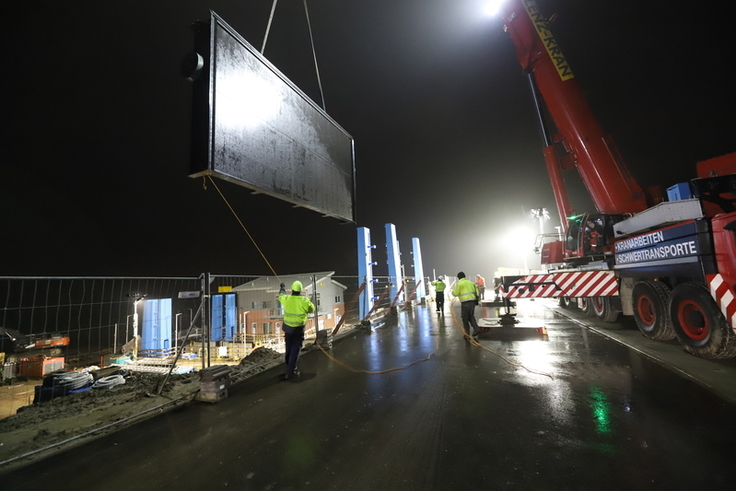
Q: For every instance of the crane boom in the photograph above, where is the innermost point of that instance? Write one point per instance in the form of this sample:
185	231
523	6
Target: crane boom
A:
605	176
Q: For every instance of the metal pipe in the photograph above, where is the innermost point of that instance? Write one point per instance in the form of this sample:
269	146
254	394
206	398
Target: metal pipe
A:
268	27
316	305
206	295
178	352
538	107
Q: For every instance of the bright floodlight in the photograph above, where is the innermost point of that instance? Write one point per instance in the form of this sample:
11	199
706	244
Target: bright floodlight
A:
521	238
492	7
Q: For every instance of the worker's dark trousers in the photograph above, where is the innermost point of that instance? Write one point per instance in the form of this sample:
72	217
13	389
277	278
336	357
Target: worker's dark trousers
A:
482	290
294	340
467	313
440	301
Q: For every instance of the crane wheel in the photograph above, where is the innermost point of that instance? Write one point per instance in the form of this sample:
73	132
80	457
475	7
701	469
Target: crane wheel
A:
586	305
603	309
699	324
564	302
651	300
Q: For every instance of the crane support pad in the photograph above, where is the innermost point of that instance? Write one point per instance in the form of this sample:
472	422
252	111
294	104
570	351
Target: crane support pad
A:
573	284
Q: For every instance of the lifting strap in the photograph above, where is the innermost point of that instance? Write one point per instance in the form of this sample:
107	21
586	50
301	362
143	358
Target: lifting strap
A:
311	41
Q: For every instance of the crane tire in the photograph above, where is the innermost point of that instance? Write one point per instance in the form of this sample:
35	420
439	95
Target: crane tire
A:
651	312
586	305
699	324
564	302
604	310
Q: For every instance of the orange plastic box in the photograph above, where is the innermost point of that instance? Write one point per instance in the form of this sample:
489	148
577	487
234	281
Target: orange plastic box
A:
40	366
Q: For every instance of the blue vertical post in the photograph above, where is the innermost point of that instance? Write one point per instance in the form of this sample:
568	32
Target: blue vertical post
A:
217	324
365	271
156	335
231	316
418	269
394	264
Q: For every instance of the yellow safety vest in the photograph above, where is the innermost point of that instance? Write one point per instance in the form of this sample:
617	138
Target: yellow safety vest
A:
296	309
439	285
466	290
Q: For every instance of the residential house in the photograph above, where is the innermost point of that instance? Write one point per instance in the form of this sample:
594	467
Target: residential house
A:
260	314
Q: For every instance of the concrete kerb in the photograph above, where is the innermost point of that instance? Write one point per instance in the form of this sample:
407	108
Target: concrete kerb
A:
717	376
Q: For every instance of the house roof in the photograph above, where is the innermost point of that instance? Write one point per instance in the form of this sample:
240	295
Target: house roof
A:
271	283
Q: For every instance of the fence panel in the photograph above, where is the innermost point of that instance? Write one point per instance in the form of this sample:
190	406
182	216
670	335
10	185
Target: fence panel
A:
47	323
84	318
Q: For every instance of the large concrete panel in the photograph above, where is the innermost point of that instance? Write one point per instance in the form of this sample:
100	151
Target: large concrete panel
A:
263	133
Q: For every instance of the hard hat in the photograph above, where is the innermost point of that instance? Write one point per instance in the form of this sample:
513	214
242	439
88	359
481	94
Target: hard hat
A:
296	286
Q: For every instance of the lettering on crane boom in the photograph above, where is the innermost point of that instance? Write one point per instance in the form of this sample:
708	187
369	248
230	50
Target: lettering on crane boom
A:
672	243
550	43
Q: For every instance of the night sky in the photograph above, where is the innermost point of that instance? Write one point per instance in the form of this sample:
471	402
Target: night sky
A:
96	127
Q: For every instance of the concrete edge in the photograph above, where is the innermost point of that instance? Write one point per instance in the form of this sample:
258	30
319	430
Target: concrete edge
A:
649	354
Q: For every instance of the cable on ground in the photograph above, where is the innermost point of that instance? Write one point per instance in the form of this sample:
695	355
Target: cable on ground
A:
372	372
475	342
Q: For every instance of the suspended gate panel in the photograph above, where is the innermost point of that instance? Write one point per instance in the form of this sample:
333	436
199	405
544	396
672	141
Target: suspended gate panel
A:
253	127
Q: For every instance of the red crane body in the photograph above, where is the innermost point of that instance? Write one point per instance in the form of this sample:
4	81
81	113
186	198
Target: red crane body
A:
605	176
671	266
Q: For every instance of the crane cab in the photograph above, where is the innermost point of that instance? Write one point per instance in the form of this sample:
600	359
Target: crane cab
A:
588	237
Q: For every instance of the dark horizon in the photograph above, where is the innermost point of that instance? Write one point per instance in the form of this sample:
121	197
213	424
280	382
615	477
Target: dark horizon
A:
97	128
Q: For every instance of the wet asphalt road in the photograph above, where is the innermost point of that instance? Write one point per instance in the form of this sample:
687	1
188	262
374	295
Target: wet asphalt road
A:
591	414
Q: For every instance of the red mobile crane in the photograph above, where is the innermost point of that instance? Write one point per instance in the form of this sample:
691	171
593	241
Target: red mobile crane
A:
673	265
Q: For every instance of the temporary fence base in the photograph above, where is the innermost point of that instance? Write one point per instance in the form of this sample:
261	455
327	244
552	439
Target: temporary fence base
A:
213	384
324	339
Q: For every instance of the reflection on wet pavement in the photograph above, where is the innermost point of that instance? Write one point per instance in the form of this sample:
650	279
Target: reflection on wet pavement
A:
592	415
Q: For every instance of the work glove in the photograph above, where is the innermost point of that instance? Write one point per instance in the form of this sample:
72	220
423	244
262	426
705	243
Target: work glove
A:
282	289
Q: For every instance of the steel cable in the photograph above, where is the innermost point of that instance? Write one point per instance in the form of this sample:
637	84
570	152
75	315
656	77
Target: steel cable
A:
475	342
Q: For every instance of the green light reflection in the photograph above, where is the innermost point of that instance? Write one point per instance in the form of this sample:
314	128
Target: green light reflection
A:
601	410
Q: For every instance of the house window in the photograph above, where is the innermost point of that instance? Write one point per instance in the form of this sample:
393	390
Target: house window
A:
266	304
337	299
267	328
254	305
253	326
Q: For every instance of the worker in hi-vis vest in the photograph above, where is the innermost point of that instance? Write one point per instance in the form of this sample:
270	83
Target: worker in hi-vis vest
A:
467	292
296	309
480	282
439	289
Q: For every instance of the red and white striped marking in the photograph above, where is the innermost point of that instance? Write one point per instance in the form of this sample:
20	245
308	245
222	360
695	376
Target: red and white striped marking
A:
724	297
534	286
578	284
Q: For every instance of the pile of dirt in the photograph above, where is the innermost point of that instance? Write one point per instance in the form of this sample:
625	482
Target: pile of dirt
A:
259	360
49	426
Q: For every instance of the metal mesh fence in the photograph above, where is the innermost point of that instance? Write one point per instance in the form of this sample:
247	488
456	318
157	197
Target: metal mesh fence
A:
173	324
84	318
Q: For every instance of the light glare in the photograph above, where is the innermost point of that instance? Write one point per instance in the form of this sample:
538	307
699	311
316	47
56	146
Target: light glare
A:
492	7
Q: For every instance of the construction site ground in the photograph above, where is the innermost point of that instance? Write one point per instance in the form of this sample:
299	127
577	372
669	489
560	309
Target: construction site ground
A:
414	405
